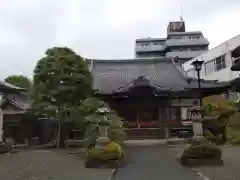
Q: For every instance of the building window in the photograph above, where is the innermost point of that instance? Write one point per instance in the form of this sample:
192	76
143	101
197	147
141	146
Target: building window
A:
209	67
178	37
175	113
144	45
220	62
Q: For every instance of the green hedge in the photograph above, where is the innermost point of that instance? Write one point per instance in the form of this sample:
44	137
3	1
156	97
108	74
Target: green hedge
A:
100	155
113	151
233	135
218	139
202	151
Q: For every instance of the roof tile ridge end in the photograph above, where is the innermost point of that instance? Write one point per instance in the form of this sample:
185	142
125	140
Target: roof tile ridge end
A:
180	70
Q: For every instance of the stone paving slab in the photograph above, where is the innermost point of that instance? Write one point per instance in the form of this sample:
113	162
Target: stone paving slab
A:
231	160
231	168
153	163
47	165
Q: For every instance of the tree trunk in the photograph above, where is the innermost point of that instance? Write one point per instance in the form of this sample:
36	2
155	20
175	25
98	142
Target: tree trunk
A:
58	135
61	135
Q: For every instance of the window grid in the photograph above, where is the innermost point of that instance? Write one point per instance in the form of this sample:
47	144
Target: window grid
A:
220	62
215	64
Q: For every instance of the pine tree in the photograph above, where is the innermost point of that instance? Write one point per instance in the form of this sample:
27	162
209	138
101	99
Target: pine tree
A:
61	81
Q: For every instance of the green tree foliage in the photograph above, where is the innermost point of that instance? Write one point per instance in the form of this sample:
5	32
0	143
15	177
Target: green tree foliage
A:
233	129
226	114
61	82
19	80
96	119
220	108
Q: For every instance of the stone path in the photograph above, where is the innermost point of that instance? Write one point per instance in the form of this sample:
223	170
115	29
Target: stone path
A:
153	163
47	165
229	171
231	168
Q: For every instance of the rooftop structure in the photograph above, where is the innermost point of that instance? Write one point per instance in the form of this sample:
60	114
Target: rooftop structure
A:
179	43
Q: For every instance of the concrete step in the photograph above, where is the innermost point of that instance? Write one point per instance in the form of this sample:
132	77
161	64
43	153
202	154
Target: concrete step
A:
145	134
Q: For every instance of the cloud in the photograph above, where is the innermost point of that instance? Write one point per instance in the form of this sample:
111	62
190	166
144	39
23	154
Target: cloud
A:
101	28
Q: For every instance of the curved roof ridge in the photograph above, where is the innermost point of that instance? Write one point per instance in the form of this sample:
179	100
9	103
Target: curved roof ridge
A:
132	84
180	70
147	59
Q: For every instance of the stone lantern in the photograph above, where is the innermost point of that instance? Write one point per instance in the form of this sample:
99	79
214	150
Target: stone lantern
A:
103	139
197	119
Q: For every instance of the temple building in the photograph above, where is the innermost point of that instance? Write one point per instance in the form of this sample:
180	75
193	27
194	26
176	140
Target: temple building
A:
6	90
179	43
15	122
150	94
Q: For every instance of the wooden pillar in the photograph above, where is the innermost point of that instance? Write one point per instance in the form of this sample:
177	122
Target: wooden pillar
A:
180	113
160	119
138	122
169	118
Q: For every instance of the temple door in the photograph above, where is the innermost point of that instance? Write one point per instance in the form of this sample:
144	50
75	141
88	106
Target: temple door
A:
148	117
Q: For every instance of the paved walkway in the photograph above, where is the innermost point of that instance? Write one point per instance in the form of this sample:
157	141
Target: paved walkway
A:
153	163
229	171
47	165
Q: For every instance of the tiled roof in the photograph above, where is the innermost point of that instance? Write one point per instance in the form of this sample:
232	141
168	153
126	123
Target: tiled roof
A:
18	101
10	86
112	75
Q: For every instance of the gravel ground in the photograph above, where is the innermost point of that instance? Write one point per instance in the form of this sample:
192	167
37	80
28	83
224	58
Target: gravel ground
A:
230	170
47	165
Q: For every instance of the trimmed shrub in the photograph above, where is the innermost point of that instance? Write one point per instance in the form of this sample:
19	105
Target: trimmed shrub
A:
218	139
233	129
97	157
116	134
233	135
202	151
115	148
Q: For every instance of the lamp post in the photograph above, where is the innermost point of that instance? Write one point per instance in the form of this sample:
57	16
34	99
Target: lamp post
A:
198	66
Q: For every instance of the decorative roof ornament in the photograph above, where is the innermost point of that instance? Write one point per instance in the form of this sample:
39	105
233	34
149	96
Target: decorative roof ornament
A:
181	17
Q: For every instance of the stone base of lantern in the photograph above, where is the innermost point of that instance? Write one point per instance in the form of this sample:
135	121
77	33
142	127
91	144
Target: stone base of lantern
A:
197	130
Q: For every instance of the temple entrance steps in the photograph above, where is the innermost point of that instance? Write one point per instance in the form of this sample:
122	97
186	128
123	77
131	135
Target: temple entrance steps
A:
145	133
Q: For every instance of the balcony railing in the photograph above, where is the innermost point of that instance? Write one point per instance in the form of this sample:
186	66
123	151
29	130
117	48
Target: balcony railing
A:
182	42
150	47
184	54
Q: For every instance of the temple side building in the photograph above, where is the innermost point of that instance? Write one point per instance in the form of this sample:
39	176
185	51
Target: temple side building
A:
217	64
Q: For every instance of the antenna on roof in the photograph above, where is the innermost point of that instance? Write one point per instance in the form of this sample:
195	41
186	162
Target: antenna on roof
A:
181	17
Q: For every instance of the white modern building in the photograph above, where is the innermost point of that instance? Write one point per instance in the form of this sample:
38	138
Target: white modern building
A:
217	62
179	43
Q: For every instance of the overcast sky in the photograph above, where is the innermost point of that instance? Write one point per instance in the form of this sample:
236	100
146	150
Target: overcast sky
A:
102	28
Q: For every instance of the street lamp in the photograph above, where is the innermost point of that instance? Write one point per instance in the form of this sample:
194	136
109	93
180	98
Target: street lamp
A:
198	66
